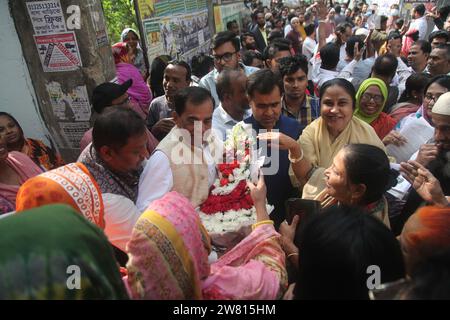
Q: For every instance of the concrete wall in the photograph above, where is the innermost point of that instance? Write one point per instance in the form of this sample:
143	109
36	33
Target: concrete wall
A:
17	95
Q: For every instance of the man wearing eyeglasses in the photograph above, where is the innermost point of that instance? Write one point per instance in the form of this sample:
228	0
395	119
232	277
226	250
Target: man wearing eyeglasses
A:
226	56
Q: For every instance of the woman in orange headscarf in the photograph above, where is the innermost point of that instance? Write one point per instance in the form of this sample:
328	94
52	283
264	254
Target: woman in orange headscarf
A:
426	232
71	184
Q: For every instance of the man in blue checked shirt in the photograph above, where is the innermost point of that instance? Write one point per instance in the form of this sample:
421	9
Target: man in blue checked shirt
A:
296	103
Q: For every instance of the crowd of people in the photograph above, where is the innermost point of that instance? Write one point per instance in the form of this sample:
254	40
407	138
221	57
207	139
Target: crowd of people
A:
341	95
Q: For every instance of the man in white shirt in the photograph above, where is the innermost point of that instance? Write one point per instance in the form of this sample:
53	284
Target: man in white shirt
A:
310	43
340	36
233	106
420	21
183	161
324	69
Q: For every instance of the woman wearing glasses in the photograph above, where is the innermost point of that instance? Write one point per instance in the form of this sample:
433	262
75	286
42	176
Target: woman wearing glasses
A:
433	90
370	100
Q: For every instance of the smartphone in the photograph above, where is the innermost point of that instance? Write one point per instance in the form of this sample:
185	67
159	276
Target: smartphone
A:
302	207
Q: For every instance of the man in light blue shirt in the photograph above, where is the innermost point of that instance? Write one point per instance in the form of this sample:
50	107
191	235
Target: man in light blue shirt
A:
226	56
233	107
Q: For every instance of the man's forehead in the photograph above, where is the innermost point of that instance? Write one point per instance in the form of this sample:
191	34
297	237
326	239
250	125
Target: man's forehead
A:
441	119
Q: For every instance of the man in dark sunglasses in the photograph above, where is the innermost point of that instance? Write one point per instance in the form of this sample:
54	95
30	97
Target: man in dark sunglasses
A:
226	56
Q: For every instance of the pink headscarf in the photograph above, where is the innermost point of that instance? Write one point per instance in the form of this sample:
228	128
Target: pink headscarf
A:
169	250
139	92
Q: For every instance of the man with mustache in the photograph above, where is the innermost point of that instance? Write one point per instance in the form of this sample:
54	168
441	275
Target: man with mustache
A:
177	76
435	156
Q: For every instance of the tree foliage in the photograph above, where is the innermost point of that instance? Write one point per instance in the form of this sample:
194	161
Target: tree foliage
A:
119	14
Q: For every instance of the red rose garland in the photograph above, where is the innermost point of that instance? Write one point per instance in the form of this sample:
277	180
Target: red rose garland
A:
238	199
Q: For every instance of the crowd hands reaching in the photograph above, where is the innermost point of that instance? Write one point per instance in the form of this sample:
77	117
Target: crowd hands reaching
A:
356	103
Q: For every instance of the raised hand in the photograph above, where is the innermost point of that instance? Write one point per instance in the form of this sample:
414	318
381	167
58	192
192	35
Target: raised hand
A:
423	181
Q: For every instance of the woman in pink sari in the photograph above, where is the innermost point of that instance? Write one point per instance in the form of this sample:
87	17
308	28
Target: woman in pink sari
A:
15	169
169	250
139	92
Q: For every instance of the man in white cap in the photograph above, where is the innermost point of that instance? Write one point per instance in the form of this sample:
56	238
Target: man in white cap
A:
434	156
440	115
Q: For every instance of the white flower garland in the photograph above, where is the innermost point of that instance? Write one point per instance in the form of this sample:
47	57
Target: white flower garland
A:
230	220
233	220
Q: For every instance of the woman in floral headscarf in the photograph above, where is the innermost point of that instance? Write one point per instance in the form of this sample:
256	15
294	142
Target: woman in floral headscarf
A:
169	252
71	184
131	38
139	92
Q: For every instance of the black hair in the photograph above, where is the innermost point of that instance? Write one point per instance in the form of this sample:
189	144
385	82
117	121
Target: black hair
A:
341	27
385	65
424	45
443	12
224	37
344	84
290	16
329	54
350	45
183	64
194	95
337	9
290	65
442	80
201	65
399	22
415	82
224	82
394	35
230	24
157	68
337	247
274	47
274	34
309	29
420	9
369	165
114	126
278	19
263	81
245	35
248	56
446	47
430	279
438	34
383	19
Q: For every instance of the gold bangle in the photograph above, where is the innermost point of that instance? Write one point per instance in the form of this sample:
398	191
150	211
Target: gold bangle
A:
292	254
254	226
295	160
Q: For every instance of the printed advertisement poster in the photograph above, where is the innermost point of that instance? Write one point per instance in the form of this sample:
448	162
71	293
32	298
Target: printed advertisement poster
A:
153	37
58	52
226	13
46	17
146	9
72	106
73	132
98	21
176	28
